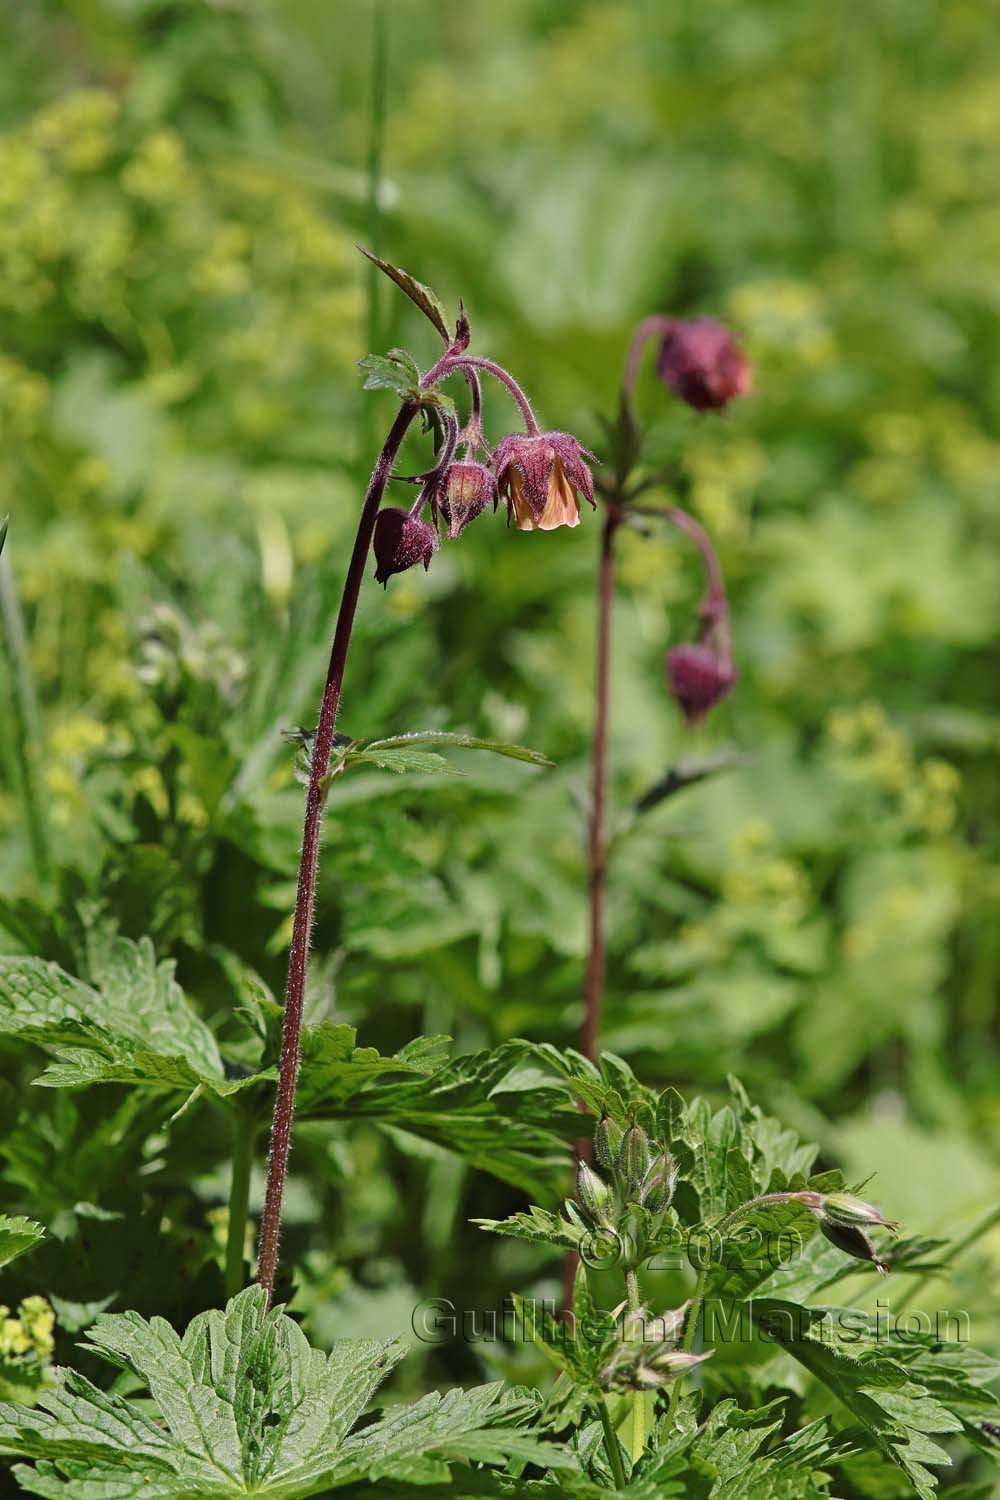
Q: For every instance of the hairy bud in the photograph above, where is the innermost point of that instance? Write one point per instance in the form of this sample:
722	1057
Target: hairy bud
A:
401	541
466	490
594	1194
845	1208
608	1139
657	1190
698	678
700	361
843	1219
633	1159
853	1241
541	476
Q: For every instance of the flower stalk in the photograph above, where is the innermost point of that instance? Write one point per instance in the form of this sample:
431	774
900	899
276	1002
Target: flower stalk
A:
305	898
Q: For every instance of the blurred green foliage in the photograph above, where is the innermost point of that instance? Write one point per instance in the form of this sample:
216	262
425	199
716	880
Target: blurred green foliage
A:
184	444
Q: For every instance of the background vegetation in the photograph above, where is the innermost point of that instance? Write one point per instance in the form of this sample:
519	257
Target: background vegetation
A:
184	442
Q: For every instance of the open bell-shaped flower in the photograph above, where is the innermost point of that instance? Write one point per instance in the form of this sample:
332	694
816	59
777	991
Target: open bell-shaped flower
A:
401	540
465	491
702	363
542	475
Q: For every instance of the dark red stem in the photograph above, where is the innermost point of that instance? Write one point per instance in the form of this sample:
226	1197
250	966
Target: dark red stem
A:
298	958
593	984
593	987
657	323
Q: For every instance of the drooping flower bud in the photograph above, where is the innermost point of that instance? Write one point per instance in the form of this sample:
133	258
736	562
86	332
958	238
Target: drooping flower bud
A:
843	1219
633	1159
401	540
657	1190
698	677
466	490
608	1139
853	1241
700	360
594	1194
541	476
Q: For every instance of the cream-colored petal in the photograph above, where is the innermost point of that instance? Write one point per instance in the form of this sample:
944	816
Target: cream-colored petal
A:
524	517
562	508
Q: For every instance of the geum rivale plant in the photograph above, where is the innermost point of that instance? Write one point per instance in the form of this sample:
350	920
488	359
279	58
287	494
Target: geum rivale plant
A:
725	1201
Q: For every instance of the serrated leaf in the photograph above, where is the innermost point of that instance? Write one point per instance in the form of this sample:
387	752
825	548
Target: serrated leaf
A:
133	1004
242	1405
422	296
872	1381
16	1236
402	760
538	1225
395	371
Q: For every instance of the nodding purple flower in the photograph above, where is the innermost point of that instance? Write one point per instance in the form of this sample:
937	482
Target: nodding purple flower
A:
698	676
542	475
700	360
465	491
401	540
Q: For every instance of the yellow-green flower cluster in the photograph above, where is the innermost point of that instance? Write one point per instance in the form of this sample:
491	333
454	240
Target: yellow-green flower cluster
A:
30	1331
871	749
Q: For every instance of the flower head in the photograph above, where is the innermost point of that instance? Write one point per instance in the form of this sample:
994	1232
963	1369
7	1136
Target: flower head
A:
466	490
700	360
698	676
400	541
542	475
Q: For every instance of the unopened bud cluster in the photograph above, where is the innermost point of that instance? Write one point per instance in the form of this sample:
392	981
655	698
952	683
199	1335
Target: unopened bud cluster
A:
647	1357
629	1174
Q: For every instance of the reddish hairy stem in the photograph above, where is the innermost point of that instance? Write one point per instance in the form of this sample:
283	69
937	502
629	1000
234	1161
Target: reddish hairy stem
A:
597	855
477	362
593	984
298	957
647	329
715	605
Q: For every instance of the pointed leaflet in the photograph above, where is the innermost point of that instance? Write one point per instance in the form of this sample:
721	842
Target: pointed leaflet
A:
17	1236
242	1405
430	305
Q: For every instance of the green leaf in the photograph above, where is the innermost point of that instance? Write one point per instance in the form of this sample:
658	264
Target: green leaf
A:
3	531
430	305
402	760
17	1236
133	1009
242	1405
395	371
873	1377
459	742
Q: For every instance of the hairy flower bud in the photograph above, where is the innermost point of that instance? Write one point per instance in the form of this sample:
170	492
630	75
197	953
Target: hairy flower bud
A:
608	1139
843	1219
541	476
466	490
593	1194
700	361
400	541
698	678
853	1241
633	1159
657	1190
845	1208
